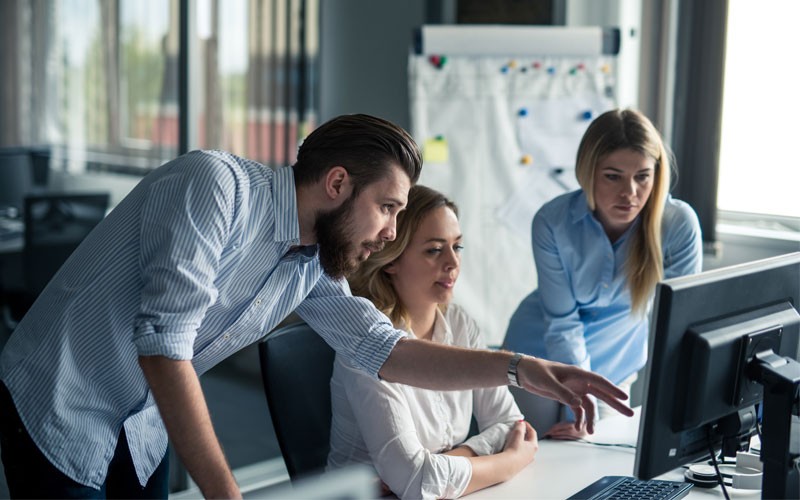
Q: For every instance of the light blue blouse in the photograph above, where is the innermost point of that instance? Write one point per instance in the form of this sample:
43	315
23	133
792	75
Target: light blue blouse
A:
581	312
200	260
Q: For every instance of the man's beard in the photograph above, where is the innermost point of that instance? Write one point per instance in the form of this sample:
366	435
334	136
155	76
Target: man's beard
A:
337	251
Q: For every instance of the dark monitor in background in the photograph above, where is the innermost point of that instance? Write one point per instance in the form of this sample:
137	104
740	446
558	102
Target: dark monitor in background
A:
24	170
722	342
16	180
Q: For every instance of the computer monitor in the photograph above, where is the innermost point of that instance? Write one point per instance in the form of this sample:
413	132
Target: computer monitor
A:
721	342
16	180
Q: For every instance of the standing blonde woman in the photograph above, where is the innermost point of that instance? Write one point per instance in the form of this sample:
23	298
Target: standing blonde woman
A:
599	253
416	438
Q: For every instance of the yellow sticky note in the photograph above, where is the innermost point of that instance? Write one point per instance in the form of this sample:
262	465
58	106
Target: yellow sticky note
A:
435	150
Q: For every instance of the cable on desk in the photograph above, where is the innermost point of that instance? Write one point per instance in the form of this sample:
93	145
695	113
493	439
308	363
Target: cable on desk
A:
609	445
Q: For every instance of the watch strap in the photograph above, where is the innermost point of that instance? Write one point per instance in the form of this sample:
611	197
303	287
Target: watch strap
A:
513	375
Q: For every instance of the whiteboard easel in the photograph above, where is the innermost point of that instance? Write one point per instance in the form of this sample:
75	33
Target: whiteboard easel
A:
499	112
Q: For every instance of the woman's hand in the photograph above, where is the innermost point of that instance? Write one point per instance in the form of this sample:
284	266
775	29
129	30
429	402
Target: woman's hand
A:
522	443
566	431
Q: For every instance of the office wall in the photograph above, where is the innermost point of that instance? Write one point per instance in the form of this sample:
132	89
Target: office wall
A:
364	48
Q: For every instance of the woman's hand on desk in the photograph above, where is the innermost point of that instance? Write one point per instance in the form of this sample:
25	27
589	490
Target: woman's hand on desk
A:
522	443
571	386
565	431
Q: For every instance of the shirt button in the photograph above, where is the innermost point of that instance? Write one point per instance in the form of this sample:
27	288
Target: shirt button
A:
226	336
605	285
258	302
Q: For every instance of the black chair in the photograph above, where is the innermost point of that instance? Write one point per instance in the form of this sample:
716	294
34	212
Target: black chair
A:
55	224
296	368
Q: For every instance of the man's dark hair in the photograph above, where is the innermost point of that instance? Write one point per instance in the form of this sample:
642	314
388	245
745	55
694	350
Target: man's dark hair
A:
366	146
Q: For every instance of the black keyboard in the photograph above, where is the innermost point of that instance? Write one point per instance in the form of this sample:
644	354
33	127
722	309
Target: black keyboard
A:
620	487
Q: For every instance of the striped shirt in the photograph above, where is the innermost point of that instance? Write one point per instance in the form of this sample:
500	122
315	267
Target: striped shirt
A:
201	259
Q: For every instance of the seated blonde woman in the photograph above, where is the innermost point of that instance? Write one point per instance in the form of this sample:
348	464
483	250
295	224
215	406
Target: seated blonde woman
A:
415	438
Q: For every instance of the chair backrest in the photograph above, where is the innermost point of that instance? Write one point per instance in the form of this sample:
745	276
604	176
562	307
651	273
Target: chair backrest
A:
55	224
296	368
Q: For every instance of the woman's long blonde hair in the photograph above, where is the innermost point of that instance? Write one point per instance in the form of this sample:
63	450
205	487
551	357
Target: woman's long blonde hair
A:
630	129
370	280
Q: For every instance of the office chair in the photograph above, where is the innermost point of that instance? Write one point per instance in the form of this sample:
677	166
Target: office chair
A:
296	368
55	224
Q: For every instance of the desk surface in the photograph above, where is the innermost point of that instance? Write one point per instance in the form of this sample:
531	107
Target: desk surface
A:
563	468
11	235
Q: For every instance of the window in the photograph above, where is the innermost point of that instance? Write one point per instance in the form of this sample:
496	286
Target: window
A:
97	81
759	169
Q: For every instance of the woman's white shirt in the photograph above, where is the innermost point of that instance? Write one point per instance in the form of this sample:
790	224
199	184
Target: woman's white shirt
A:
402	431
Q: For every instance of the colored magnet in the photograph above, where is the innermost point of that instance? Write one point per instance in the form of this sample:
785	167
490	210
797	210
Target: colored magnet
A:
512	64
438	61
522	112
605	68
551	70
536	65
586	115
435	150
526	160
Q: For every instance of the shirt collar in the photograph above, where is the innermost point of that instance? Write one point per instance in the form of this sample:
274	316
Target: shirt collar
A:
284	196
580	207
441	329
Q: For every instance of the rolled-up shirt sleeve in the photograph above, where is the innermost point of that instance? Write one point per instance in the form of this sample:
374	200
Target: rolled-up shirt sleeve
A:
352	326
387	427
185	224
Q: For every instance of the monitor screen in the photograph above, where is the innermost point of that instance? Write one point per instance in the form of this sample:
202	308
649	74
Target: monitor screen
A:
706	330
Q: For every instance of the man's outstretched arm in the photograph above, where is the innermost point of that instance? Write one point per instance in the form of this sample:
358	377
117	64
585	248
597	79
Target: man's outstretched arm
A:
440	367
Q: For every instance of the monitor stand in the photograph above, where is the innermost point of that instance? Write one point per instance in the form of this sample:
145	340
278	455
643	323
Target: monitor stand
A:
780	445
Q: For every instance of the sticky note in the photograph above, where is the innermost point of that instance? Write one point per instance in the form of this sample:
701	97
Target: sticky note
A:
435	150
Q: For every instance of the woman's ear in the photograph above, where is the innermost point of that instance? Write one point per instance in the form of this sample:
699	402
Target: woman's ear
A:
390	269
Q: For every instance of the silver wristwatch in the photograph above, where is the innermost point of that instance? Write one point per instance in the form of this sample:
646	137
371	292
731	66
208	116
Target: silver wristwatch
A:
513	376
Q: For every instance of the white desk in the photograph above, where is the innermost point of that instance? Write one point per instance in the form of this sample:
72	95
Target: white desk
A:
563	468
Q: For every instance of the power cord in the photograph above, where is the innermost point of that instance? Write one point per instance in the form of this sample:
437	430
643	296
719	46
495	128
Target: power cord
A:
758	424
608	445
716	467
